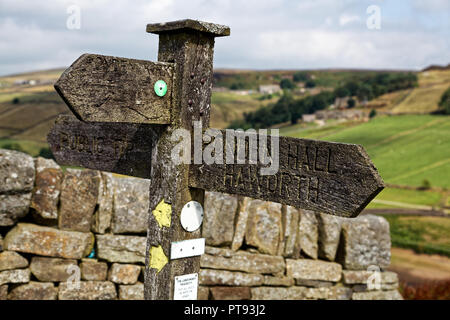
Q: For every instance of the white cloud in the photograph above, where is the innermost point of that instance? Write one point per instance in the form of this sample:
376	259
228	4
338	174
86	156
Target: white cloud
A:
362	49
264	34
345	19
432	5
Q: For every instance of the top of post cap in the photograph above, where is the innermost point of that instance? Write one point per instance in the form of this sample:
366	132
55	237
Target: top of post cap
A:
216	30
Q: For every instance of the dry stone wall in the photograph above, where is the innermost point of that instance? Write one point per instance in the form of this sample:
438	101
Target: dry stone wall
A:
81	234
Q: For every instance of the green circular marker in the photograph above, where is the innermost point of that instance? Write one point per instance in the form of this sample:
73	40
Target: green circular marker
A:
160	88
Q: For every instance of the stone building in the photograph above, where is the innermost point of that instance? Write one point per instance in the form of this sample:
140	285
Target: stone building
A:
269	88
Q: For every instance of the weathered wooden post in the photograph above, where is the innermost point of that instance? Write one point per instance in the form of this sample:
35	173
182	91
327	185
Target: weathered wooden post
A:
190	45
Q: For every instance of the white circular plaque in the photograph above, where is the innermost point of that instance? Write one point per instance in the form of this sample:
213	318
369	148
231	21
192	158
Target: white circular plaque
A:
191	216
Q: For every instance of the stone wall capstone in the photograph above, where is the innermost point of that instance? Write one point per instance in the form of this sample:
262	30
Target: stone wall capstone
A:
81	234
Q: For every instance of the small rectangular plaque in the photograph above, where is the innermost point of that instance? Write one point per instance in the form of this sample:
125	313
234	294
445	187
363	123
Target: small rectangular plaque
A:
187	248
186	287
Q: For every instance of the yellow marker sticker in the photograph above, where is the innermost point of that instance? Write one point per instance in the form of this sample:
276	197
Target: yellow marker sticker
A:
163	213
157	258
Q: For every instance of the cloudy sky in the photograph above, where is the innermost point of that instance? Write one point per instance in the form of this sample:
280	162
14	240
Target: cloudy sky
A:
265	34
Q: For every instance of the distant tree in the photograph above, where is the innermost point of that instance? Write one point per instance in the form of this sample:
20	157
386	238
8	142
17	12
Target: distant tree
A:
351	103
13	146
46	153
372	113
265	97
445	101
281	110
382	78
310	83
296	109
341	92
301	76
239	124
319	102
287	84
379	90
15	100
237	86
426	184
365	92
352	87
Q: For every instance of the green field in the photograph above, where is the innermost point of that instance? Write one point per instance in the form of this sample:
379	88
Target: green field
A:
251	79
400	198
422	234
33	148
410	150
420	100
229	106
406	149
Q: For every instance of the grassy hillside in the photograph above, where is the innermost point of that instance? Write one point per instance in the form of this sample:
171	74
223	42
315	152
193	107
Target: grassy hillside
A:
423	99
229	106
406	149
31	116
423	234
27	111
251	79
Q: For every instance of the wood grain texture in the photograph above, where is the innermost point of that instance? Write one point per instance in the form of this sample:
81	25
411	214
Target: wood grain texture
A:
111	89
123	148
192	53
335	178
213	29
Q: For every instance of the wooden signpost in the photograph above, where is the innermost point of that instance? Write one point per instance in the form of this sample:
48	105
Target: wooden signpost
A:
128	112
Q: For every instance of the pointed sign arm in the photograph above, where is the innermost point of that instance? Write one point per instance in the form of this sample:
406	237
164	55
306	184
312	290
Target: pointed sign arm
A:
100	88
335	178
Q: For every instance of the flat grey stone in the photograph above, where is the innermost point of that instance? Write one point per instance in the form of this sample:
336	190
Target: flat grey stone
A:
54	269
131	292
87	290
16	172
307	269
13	207
47	189
103	215
365	242
14	276
226	259
12	260
377	295
34	291
329	235
120	248
219	215
264	228
131	205
209	277
79	194
46	241
308	233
